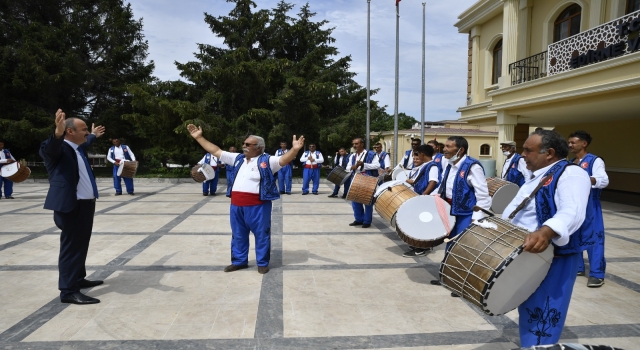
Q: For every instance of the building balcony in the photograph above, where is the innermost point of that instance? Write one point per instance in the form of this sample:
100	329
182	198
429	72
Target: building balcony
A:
528	69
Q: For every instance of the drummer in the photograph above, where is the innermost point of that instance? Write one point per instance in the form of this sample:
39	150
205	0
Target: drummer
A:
438	157
514	168
424	179
385	162
6	158
285	178
312	161
465	177
341	159
367	163
555	213
210	187
117	153
407	161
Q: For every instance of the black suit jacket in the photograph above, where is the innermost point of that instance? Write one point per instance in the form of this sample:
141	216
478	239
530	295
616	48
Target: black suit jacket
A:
61	161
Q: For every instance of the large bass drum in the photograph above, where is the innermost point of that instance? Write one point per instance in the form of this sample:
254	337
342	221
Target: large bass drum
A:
362	189
502	193
487	266
424	221
389	197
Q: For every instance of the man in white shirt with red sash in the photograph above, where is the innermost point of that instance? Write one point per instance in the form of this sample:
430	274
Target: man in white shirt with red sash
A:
251	186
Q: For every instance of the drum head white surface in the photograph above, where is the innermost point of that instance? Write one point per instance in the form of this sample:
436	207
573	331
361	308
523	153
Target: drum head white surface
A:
120	168
401	175
418	218
388	184
503	196
9	169
207	171
517	282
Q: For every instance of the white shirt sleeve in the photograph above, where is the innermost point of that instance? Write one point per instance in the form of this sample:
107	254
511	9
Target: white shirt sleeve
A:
522	167
375	164
113	161
320	159
433	174
571	197
228	157
202	160
303	158
133	157
274	163
477	180
599	173
387	161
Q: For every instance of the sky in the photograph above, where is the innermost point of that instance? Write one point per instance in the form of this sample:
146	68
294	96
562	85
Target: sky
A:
174	28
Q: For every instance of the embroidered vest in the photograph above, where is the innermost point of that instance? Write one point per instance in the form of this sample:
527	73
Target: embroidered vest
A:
408	159
587	164
342	161
437	159
207	160
368	158
546	208
124	150
382	157
268	187
422	179
7	155
464	197
513	174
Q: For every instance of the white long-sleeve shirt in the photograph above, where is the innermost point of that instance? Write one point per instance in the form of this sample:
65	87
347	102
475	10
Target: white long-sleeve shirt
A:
522	167
571	198
355	157
475	179
4	160
599	173
316	161
119	154
387	161
248	175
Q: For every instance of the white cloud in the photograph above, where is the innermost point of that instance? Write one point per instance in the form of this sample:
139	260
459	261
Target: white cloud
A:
173	29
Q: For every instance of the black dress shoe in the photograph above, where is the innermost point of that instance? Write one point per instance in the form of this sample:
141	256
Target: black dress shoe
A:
344	196
288	192
304	194
333	196
263	269
9	197
366	225
454	295
436	282
88	284
232	268
118	194
205	194
355	223
316	193
79	298
281	192
213	194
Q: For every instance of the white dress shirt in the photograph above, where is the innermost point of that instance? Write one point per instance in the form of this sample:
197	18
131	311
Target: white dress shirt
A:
84	189
476	180
3	159
356	157
433	173
522	167
571	197
213	161
410	162
316	161
247	175
387	160
118	153
599	173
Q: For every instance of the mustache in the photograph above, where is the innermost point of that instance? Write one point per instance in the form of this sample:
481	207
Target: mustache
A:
245	149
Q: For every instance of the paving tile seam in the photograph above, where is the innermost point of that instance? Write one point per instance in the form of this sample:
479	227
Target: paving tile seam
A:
620	237
19	241
182	217
626	216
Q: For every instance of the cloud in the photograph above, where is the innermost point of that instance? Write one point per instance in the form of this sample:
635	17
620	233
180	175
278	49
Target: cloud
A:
173	29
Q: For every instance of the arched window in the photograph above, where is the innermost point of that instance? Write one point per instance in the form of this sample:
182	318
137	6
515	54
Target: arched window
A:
632	6
485	150
497	63
568	23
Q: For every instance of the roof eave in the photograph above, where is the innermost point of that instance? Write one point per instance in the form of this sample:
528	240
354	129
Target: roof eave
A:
479	13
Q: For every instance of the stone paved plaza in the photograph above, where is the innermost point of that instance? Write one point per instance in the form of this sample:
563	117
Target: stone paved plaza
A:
331	286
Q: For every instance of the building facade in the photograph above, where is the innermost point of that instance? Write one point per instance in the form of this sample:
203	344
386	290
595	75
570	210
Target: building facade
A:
565	64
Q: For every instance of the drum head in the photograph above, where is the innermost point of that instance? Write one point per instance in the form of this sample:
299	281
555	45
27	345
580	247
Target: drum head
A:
207	171
388	184
401	175
516	283
120	168
419	218
9	169
503	196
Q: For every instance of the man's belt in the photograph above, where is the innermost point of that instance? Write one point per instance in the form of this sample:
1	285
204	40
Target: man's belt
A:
311	166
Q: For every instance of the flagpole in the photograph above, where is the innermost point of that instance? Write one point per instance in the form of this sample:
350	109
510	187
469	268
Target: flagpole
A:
395	115
368	73
423	70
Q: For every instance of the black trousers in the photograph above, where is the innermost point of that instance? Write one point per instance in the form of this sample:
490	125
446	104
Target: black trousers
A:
76	229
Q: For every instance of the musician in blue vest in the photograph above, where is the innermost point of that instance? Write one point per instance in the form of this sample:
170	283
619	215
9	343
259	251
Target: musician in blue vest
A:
366	162
594	166
285	177
424	177
6	158
342	160
251	186
72	197
559	193
229	169
312	161
438	157
463	186
407	160
119	153
210	187
514	168
385	160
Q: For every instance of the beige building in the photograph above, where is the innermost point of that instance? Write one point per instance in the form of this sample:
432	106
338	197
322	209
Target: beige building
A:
565	64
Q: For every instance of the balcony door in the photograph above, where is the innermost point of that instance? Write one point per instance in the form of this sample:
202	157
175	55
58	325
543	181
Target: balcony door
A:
632	6
568	23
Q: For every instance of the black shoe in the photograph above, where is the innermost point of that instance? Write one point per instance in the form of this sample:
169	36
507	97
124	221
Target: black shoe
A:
232	268
316	193
88	284
213	194
118	194
131	194
415	252
595	282
435	282
344	196
366	225
263	269
333	196
580	273
288	192
9	197
281	192
79	298
355	223
205	194
304	194
454	295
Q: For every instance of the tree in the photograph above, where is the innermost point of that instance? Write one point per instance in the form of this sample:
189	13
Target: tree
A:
77	55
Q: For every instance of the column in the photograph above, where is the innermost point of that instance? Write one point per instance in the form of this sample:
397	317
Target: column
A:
506	132
524	29
617	9
475	65
511	9
597	11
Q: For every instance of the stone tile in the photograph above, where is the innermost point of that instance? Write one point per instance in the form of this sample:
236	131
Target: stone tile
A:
191	197
130	223
323	223
11	205
309	209
9	238
491	346
190	250
217	208
341	249
622	343
629	270
66	324
158	208
633	234
24	292
615	221
618	248
104	248
204	224
31	223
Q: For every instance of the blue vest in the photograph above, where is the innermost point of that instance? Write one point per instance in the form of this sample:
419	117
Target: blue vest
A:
464	197
381	157
7	155
280	153
268	187
407	158
124	150
422	180
587	164
207	160
306	154
367	159
546	209
513	174
437	159
342	161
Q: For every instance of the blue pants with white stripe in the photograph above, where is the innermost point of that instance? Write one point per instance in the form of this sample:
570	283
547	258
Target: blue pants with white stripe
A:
285	179
310	175
256	219
117	184
211	186
542	316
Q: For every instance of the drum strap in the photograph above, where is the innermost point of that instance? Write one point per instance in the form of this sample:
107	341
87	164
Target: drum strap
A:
526	200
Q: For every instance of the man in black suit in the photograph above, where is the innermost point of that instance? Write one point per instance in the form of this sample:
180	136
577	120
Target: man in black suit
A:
341	159
72	197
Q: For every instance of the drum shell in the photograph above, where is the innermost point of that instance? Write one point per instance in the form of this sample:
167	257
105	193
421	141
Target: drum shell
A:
338	176
196	175
390	199
20	175
501	192
362	189
475	261
128	169
420	221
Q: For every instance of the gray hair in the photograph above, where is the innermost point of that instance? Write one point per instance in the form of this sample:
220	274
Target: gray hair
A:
552	139
260	144
70	123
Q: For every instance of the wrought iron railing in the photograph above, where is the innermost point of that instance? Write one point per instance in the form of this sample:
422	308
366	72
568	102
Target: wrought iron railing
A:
527	69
